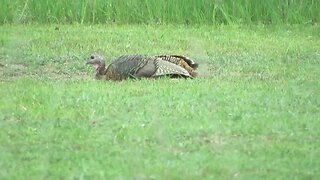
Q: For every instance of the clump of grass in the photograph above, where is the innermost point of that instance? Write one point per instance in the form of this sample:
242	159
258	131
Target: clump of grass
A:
160	12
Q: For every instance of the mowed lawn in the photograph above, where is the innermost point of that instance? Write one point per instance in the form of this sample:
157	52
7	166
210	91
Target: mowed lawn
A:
255	114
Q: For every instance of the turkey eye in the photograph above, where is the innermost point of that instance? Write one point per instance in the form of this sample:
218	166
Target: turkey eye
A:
92	57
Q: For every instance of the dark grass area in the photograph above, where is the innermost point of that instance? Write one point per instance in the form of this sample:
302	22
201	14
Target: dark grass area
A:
160	12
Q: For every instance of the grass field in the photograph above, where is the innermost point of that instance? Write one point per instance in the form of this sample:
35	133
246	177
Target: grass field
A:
256	116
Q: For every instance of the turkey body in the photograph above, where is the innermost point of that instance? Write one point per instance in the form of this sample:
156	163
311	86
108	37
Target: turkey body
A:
140	66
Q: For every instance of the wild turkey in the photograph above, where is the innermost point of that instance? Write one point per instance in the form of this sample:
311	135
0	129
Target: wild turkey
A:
140	66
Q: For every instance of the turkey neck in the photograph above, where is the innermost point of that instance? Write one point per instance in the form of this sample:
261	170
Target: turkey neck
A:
102	71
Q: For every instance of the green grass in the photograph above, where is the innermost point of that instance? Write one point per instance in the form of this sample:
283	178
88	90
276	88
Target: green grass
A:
160	12
257	116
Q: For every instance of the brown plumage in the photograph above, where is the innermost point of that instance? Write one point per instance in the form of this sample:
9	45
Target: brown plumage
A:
140	66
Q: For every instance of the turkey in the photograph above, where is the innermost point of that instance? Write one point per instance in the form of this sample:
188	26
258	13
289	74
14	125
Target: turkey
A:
140	66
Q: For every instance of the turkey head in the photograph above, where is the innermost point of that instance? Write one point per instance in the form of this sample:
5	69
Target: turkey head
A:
98	64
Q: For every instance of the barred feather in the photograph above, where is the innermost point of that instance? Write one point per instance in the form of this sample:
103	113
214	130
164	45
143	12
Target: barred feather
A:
176	59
